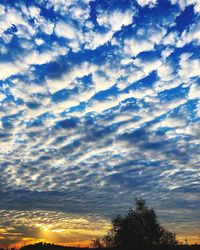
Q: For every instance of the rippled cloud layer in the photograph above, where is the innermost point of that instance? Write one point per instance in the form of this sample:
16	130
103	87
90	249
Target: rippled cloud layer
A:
99	104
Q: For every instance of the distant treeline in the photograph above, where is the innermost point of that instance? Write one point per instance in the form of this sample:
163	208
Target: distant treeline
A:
47	246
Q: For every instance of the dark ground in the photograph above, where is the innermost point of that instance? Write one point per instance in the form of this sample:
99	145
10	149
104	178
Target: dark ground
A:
45	246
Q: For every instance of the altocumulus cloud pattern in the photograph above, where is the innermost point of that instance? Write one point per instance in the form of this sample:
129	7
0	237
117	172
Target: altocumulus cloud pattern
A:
99	104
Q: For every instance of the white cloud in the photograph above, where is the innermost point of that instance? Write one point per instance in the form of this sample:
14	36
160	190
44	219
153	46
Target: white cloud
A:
2	9
59	107
198	109
37	58
92	39
194	92
170	122
138	69
175	103
116	19
191	35
34	11
184	3
66	80
140	94
147	66
80	14
145	93
156	34
126	61
39	41
2	97
191	129
166	52
95	39
145	40
133	75
143	3
133	47
171	39
160	86
102	81
66	30
45	57
189	67
14	17
100	106
105	76
166	72
44	25
8	69
61	6
71	32
86	95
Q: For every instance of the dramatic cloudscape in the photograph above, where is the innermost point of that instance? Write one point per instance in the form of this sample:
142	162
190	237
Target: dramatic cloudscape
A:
99	104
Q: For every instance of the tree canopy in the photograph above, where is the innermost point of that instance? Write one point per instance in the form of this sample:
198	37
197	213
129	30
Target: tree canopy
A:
138	228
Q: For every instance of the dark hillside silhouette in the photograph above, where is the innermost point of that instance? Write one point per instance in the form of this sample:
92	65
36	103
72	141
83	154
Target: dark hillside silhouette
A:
47	246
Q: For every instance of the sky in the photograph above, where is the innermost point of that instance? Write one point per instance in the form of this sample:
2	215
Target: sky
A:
99	104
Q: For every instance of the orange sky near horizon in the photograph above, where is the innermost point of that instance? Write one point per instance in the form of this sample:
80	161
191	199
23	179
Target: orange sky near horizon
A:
86	243
192	239
30	227
60	237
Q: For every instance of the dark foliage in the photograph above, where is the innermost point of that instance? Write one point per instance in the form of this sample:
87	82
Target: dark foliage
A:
139	228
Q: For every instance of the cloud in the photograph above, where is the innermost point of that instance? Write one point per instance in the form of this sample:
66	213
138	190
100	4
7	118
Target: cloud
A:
60	227
96	39
99	103
100	106
116	19
184	4
34	11
194	92
165	72
134	47
185	70
2	96
172	123
9	69
171	39
144	41
45	57
150	3
191	35
65	30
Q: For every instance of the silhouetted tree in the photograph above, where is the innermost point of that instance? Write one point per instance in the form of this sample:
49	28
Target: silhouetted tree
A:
138	228
97	243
